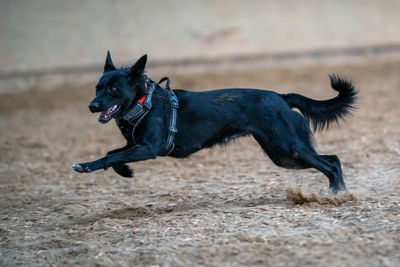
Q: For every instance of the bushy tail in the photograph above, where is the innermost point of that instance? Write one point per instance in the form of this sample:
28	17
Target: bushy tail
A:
323	113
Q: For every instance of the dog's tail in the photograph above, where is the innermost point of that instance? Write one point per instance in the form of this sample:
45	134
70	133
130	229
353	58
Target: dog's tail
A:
323	113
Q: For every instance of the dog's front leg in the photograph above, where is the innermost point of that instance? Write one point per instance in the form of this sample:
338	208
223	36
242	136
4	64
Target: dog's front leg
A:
147	148
133	154
121	168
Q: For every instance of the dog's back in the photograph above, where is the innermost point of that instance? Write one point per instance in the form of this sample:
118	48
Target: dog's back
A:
215	117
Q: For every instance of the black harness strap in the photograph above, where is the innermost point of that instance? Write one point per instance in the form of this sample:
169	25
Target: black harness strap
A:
169	145
139	111
163	79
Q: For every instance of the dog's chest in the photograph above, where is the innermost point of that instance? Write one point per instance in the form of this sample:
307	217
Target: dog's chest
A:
126	129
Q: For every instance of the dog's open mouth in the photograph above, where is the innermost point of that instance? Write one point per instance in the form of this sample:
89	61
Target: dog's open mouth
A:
108	114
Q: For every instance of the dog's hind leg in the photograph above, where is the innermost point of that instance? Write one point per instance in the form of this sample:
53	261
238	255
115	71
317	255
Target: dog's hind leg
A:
326	164
286	138
279	156
303	156
333	159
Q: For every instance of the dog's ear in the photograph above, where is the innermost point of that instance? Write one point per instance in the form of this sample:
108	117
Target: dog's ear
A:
138	68
109	65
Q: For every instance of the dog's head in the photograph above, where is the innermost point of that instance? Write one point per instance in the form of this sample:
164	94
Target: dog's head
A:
117	89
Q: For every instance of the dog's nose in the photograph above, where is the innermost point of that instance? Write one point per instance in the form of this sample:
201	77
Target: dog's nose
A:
94	106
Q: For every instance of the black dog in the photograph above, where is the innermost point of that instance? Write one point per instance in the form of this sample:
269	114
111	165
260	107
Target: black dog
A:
205	119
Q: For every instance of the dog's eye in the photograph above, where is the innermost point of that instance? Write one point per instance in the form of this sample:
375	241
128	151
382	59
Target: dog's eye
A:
113	89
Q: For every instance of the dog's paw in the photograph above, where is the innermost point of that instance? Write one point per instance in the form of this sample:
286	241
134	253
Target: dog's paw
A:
81	168
334	190
123	170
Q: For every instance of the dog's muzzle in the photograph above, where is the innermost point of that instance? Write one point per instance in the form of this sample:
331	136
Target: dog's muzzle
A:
94	106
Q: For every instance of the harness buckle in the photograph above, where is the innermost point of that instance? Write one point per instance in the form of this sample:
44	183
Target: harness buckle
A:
134	113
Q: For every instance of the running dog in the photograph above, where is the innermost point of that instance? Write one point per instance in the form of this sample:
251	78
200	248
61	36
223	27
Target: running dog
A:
205	119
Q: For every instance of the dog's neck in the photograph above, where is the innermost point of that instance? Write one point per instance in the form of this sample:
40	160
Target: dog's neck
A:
142	105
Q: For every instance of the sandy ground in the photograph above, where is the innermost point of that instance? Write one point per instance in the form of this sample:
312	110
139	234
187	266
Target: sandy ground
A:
220	207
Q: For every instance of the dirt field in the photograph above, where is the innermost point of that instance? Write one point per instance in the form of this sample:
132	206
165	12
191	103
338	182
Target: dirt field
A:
221	207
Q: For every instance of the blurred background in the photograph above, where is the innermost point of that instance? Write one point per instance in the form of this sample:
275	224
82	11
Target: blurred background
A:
226	206
48	43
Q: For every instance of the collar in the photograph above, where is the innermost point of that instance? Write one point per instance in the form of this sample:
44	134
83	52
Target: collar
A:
143	97
142	106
